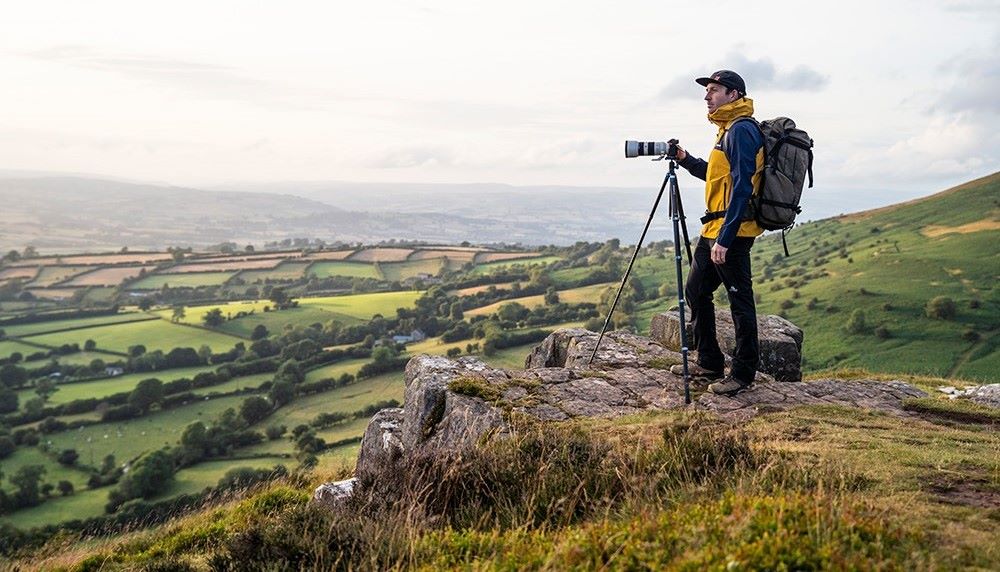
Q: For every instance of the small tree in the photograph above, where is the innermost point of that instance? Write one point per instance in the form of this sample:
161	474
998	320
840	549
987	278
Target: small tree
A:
254	409
44	388
8	400
941	308
456	311
178	314
7	446
213	318
146	393
281	392
68	457
12	375
89	345
259	332
275	432
551	297
65	488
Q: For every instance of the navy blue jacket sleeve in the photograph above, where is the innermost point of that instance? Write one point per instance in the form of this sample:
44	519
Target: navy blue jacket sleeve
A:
740	146
695	166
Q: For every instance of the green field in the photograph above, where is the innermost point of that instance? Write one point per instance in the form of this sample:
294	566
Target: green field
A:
234	384
579	295
105	387
128	439
569	275
348	309
364	306
189	280
348	269
23	330
396	271
344	400
489	267
83	358
892	264
195	314
50	275
154	334
195	479
8	347
335	370
83	503
283	271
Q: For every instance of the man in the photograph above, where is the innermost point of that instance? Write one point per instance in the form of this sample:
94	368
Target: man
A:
722	256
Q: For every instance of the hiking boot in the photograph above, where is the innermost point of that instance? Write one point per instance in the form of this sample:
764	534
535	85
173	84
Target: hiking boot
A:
696	372
728	387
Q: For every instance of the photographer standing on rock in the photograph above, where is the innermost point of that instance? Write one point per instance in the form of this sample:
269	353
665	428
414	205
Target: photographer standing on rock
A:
722	257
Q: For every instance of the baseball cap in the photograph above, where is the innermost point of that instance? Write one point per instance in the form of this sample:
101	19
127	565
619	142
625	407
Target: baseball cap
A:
730	79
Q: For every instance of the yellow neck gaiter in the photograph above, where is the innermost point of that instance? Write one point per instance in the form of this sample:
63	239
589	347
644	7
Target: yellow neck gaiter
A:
742	107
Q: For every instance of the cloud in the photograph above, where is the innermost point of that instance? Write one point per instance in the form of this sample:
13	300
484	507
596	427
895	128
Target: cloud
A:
975	7
760	74
975	79
410	157
198	78
948	148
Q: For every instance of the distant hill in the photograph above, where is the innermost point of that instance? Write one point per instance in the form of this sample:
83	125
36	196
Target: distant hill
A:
71	214
887	264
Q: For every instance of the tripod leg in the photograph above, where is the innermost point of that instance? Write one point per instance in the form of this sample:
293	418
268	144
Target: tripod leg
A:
628	270
676	214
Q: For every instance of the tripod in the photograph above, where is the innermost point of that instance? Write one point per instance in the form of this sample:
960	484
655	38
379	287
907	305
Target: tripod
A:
676	210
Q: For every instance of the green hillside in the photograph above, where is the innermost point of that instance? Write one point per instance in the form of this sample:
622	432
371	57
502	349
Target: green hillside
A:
886	265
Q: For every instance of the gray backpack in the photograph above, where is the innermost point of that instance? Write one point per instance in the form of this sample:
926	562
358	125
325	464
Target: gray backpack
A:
788	159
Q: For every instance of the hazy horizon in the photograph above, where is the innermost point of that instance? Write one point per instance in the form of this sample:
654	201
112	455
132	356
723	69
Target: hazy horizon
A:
524	93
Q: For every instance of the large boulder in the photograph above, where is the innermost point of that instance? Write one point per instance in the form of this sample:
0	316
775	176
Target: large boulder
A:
780	340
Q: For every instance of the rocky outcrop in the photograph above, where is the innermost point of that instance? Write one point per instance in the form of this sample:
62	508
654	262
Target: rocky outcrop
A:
780	340
452	404
988	394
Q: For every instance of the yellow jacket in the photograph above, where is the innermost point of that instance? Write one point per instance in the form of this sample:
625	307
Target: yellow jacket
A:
732	173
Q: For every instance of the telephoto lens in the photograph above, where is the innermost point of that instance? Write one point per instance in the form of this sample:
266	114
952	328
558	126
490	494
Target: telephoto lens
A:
645	149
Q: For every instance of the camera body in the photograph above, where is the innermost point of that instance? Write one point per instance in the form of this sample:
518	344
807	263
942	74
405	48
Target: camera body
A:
659	149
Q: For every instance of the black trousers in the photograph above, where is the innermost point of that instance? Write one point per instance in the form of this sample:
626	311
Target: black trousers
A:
704	279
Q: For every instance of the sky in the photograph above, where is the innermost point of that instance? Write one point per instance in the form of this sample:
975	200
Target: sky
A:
901	98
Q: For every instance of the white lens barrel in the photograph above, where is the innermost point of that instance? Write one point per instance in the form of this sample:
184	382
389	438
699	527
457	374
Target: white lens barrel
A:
644	148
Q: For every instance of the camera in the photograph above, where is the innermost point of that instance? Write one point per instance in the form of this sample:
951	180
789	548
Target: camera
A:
660	149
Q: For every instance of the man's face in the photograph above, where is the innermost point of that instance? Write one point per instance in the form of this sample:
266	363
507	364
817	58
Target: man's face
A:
716	96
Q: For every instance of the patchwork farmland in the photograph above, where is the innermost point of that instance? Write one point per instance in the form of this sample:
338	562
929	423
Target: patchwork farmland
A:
210	333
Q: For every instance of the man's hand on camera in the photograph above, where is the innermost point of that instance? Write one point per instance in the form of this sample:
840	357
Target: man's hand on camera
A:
681	153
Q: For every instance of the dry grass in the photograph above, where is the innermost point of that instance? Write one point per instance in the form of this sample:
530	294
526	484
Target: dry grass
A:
108	276
485	257
934	230
225	266
327	255
462	256
25	272
381	255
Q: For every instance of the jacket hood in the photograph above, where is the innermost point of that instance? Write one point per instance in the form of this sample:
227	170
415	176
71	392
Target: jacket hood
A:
742	107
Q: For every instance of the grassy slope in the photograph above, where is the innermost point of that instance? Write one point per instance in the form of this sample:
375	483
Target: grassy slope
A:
572	296
154	334
962	266
104	387
876	491
890	286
